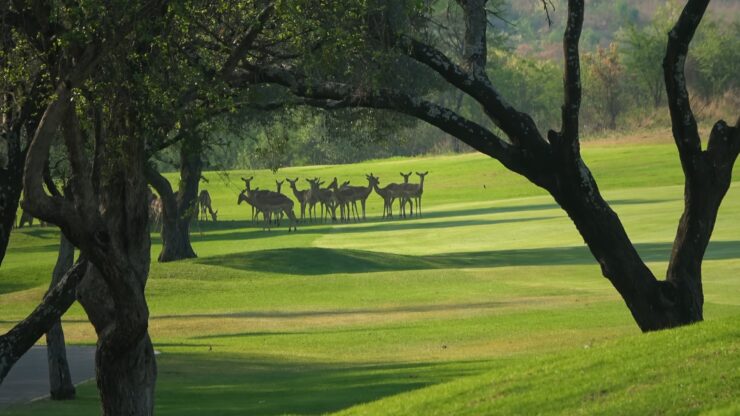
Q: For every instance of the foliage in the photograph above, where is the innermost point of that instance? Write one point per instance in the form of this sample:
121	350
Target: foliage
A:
715	59
604	86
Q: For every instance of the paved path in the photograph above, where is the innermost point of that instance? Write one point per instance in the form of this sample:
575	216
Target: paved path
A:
29	378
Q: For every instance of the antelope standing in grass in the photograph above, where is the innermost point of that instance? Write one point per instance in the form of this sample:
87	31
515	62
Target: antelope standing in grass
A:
405	198
359	193
205	208
413	191
312	196
300	195
269	203
324	196
155	212
248	184
419	192
343	195
389	194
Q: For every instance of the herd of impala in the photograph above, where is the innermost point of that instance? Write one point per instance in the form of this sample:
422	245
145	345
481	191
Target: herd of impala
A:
320	203
317	203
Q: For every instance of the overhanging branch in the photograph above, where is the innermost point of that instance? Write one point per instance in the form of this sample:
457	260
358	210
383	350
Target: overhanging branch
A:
21	337
339	95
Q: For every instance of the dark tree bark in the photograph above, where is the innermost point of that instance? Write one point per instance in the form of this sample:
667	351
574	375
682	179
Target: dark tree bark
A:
178	208
106	218
556	165
11	173
125	367
60	379
10	187
708	172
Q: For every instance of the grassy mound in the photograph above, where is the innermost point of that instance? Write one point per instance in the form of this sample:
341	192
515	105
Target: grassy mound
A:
682	371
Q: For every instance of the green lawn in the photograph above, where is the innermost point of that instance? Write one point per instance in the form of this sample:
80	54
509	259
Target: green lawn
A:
491	303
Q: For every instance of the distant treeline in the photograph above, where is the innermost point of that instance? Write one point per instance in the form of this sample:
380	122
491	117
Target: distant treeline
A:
622	49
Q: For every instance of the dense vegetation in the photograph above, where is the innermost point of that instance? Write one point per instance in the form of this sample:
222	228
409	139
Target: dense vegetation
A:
623	44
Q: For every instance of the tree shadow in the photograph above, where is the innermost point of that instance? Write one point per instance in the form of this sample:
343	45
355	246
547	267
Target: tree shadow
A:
239	385
38	231
275	314
313	261
530	207
413	225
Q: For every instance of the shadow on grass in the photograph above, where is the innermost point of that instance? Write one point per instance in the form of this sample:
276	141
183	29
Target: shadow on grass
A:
530	207
310	261
272	314
237	385
38	231
201	231
414	225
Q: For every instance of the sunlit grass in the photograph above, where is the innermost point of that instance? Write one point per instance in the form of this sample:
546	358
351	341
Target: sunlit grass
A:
491	284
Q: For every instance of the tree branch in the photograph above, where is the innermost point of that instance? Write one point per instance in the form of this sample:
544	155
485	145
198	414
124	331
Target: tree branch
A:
572	78
338	95
683	123
21	337
51	209
247	41
518	126
81	179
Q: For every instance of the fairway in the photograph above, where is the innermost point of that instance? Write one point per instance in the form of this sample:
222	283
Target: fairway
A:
489	303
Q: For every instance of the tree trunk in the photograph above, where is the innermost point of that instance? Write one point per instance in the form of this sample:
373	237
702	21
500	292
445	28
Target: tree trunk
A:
175	235
11	184
178	208
60	380
125	366
607	240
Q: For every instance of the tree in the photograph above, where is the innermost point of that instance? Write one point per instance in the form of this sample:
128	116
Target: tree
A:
92	104
22	95
715	59
605	80
642	48
198	96
554	163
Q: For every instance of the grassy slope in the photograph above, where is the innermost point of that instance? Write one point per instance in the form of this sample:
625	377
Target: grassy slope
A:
268	323
695	369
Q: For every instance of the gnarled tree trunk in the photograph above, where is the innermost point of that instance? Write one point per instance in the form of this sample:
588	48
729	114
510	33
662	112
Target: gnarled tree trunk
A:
60	379
10	187
179	208
125	366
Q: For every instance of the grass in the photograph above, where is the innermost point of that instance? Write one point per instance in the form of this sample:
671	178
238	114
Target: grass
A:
490	303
